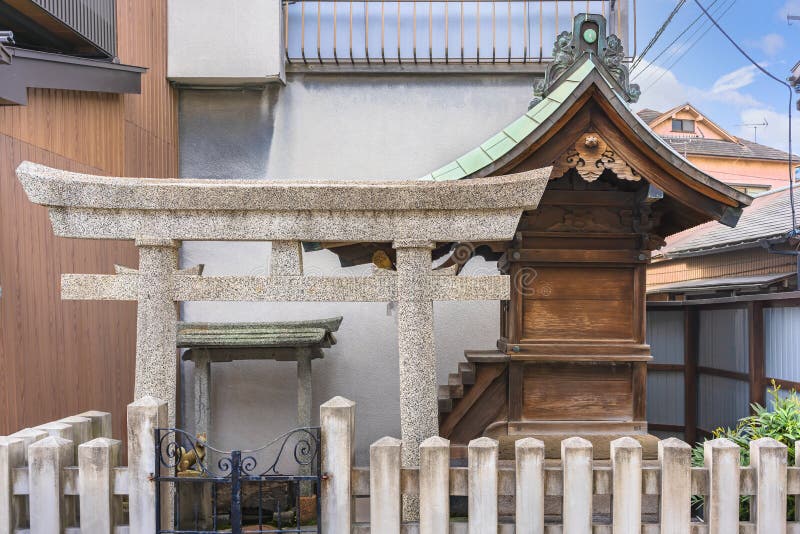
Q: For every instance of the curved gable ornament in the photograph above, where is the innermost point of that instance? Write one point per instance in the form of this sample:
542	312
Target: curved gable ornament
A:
590	157
588	37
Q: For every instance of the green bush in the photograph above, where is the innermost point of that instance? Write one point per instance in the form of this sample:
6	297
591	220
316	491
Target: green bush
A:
780	421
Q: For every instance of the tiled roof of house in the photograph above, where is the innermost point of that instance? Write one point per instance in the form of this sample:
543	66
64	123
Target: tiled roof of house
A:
649	115
769	216
721	148
717	147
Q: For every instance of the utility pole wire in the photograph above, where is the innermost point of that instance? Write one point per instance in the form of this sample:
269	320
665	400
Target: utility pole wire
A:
669	46
679	53
658	33
794	230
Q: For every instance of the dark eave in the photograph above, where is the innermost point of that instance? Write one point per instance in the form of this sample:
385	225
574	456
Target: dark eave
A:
32	69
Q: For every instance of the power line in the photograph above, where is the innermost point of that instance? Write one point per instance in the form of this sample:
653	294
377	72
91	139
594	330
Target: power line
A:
676	53
669	46
722	11
794	231
658	33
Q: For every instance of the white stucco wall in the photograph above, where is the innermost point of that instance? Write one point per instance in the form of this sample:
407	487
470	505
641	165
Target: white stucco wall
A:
361	127
220	42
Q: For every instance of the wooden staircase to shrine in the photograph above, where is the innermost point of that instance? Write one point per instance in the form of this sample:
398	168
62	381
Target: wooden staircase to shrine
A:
474	398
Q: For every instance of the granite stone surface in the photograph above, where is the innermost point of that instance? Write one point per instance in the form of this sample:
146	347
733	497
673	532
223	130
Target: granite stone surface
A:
54	187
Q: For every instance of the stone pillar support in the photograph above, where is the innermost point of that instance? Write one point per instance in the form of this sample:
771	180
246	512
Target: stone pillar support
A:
304	381
156	321
286	259
419	412
202	390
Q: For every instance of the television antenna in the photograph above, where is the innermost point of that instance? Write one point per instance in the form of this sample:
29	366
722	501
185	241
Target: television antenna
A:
755	126
790	18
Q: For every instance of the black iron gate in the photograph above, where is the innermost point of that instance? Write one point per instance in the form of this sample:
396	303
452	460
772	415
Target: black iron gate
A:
271	489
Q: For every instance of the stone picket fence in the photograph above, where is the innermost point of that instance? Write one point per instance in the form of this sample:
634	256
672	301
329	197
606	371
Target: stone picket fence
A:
639	497
50	485
65	476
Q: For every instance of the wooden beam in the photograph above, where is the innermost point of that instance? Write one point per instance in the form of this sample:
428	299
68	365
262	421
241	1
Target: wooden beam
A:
639	391
789	297
733	375
691	329
757	361
666	367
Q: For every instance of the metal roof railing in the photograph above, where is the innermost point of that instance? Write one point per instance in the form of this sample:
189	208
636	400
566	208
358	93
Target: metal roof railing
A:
376	34
95	20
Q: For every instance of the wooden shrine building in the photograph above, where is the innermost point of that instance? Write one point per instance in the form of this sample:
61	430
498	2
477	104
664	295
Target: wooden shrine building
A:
572	357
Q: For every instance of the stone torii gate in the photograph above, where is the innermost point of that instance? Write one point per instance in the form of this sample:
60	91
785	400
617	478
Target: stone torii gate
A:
160	213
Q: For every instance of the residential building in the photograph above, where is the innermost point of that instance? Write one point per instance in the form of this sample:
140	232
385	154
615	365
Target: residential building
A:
711	260
83	87
746	165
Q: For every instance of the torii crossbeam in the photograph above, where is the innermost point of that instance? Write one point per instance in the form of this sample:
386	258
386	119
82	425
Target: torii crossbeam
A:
413	215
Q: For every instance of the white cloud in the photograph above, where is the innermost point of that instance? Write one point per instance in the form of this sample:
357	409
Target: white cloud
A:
662	90
791	7
732	81
776	134
770	44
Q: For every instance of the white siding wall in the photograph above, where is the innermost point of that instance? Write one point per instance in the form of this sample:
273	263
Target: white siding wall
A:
721	401
665	391
724	340
665	398
782	343
665	335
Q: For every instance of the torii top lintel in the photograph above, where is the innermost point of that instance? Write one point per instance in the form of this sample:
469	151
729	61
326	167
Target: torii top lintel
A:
99	207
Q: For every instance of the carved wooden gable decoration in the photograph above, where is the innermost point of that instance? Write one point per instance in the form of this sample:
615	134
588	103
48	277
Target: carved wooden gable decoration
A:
590	157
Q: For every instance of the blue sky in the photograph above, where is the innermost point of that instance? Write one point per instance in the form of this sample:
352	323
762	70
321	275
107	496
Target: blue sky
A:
713	75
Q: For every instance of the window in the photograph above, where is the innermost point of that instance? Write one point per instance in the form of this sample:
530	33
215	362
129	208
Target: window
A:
683	125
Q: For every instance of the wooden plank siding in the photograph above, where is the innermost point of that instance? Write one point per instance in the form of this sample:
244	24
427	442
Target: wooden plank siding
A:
756	377
61	357
748	262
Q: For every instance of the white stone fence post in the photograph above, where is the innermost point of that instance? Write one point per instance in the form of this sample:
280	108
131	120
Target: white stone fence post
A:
528	494
65	476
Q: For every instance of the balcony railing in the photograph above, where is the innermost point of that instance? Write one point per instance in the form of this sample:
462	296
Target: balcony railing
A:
94	20
376	33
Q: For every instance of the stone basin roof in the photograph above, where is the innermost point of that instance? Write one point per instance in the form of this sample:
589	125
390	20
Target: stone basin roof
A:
285	334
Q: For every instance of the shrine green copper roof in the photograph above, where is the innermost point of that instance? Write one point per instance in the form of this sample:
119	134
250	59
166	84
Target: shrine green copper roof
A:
509	137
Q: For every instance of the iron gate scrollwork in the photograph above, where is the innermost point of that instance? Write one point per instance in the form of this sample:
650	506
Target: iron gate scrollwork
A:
272	489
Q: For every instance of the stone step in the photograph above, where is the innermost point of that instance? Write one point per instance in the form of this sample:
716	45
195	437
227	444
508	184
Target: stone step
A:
451	391
445	405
